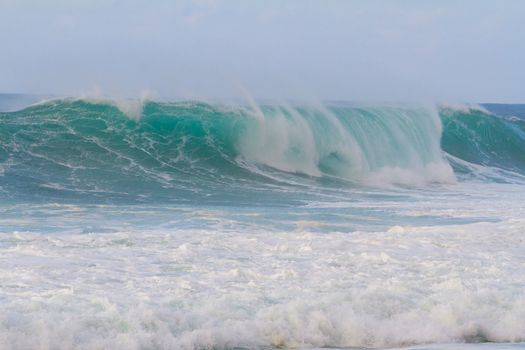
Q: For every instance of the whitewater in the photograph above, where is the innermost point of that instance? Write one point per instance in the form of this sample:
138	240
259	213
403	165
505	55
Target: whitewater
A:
193	225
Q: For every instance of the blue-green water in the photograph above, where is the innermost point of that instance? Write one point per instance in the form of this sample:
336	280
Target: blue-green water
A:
190	225
74	150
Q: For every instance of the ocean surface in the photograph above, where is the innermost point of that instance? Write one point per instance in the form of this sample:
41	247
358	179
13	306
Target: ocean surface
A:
192	225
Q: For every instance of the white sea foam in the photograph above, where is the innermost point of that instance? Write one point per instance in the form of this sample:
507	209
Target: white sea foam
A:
234	284
438	172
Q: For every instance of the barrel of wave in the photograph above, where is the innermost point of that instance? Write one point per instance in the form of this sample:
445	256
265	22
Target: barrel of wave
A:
368	145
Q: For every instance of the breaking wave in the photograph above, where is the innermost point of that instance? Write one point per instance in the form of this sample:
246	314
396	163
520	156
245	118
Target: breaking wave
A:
71	147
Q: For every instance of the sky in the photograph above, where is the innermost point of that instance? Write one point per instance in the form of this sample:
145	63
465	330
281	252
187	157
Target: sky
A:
370	50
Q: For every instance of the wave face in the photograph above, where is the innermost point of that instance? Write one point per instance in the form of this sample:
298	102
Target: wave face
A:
185	151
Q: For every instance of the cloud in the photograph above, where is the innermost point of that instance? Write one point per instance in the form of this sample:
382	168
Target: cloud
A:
380	50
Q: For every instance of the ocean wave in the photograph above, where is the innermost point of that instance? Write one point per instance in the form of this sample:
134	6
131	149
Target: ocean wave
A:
77	147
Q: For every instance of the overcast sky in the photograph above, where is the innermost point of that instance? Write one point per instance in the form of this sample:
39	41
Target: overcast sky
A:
460	51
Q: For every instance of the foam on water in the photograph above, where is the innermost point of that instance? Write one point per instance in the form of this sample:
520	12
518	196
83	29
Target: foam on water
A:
217	278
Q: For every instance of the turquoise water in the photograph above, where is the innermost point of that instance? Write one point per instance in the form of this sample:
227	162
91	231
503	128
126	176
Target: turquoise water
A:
189	225
75	150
